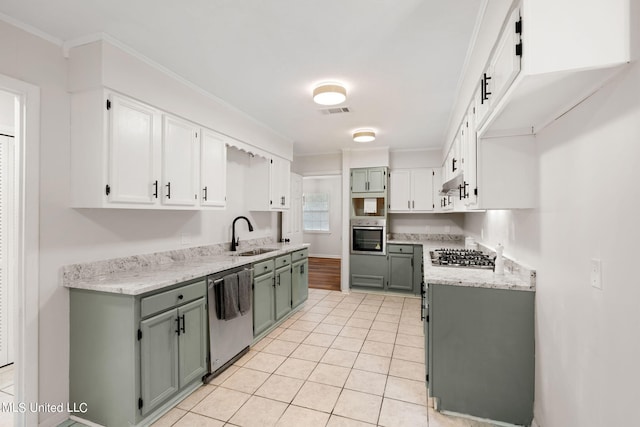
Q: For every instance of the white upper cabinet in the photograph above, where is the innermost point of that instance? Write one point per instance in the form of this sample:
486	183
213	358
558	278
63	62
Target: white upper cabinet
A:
280	183
213	169
127	154
411	190
180	153
549	57
133	143
267	186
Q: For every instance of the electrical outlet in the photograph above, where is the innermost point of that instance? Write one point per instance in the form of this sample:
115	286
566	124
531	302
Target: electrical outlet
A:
596	273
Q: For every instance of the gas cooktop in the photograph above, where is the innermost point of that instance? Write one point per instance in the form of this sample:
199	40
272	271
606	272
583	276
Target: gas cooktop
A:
465	258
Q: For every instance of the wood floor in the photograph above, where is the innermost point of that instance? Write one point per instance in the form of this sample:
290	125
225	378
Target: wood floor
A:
324	273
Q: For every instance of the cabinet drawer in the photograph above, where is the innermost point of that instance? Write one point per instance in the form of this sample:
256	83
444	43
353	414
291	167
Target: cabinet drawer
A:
263	267
362	280
298	255
166	300
400	249
283	260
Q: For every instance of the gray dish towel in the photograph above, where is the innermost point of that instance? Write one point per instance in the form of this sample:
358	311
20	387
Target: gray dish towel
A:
230	296
244	291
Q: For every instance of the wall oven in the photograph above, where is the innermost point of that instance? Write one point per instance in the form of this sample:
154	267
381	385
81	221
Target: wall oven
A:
368	236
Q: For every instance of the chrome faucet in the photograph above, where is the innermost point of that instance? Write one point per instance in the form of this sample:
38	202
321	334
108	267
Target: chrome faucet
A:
234	243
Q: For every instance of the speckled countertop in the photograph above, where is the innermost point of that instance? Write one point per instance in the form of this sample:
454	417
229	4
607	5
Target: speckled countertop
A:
516	276
141	274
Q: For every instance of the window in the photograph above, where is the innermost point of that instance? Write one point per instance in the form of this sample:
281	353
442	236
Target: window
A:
315	212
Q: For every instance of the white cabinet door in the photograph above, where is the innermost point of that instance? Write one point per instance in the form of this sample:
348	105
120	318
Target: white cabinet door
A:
133	151
280	172
400	191
213	169
292	219
470	161
505	63
422	190
180	162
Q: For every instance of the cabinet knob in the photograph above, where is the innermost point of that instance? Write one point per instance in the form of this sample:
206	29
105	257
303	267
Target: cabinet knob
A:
180	296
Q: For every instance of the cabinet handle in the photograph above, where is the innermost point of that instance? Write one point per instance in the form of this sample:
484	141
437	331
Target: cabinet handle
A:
302	269
460	191
168	190
413	204
274	281
465	193
453	164
183	329
178	326
205	193
408	204
485	84
155	189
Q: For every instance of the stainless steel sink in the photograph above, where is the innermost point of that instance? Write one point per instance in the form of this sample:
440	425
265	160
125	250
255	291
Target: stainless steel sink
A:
254	252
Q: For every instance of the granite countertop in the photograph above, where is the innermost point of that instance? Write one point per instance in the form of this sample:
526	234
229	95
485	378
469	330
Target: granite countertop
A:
516	277
142	274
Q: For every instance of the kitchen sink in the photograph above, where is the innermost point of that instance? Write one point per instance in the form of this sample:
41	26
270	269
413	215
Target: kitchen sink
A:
254	252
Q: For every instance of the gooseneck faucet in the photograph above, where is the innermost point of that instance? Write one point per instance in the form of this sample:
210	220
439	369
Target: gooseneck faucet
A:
234	243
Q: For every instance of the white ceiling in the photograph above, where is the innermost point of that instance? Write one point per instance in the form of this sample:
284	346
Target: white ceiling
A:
400	59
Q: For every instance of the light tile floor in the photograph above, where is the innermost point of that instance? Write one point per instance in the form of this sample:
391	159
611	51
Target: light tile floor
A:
341	361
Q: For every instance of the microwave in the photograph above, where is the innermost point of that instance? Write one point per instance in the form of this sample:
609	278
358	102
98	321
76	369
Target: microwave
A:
368	236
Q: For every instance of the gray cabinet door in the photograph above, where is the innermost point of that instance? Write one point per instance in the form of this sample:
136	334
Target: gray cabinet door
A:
299	282
192	341
263	303
368	271
159	359
283	291
401	272
359	180
377	179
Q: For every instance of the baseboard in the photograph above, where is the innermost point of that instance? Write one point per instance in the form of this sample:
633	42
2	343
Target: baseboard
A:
324	256
54	420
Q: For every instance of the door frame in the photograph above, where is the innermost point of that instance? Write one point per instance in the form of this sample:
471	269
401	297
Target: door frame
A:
27	250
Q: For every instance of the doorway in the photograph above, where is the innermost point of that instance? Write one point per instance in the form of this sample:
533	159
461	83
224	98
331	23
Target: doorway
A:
19	246
8	193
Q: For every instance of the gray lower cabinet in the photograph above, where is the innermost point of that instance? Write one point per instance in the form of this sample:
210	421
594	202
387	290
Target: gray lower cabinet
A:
130	355
299	281
480	358
368	271
283	286
263	296
400	271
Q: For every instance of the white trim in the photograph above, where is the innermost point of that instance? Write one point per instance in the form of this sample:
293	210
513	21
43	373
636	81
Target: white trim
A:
323	176
28	235
30	29
411	150
319	153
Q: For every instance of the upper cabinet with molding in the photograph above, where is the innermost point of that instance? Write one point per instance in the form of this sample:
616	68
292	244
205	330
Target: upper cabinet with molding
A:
411	190
549	57
268	184
127	154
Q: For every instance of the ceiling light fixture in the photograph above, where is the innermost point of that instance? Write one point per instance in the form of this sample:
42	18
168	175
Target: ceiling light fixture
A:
364	135
329	94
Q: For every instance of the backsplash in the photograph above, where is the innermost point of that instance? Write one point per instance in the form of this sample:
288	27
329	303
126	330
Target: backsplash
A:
511	266
88	270
421	237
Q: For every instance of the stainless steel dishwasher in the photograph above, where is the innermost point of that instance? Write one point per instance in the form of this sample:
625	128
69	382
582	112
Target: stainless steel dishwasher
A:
228	339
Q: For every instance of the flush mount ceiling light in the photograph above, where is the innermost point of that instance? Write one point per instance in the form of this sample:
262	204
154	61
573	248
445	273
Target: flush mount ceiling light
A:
364	135
329	94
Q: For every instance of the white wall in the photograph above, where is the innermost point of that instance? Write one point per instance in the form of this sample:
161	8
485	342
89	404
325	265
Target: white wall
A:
69	236
406	159
327	245
451	223
587	345
318	164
